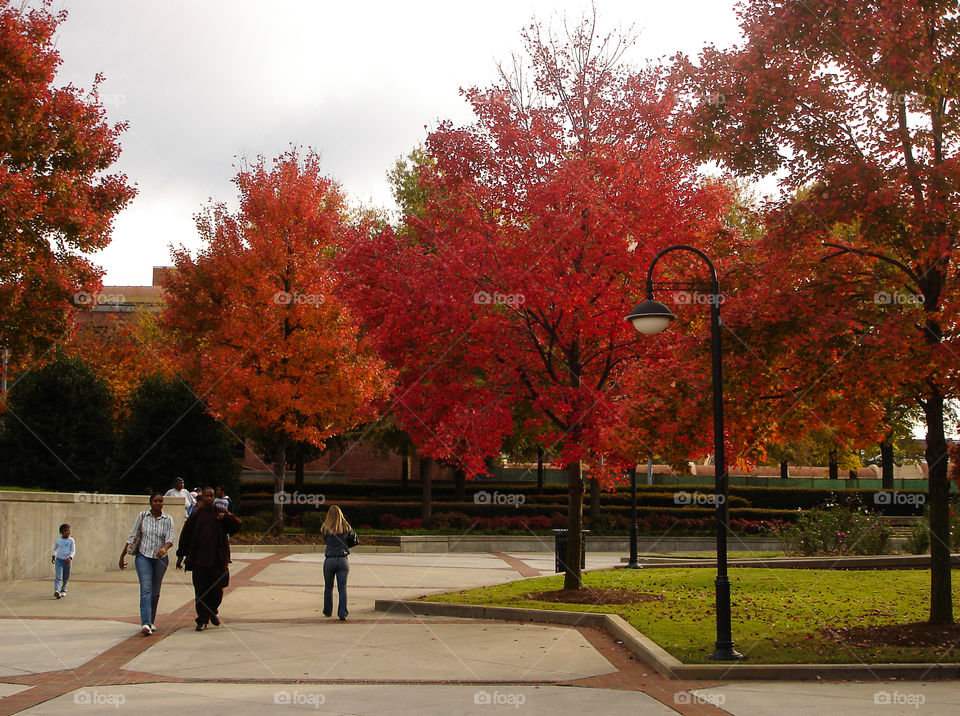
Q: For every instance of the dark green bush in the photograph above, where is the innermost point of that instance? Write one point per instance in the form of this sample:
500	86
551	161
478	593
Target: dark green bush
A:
312	521
919	540
254	525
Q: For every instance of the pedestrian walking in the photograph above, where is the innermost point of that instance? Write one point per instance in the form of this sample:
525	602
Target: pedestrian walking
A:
64	549
339	538
205	550
150	540
222	499
178	490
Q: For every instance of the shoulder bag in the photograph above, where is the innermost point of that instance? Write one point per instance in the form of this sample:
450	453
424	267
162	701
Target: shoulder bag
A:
134	545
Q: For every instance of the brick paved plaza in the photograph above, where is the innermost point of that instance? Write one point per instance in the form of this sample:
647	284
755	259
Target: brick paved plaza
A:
276	653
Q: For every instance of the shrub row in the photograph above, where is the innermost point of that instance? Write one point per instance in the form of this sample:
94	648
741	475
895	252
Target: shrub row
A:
777	498
366	513
656	523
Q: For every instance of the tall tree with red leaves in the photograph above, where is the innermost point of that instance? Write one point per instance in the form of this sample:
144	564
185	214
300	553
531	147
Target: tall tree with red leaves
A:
511	281
855	104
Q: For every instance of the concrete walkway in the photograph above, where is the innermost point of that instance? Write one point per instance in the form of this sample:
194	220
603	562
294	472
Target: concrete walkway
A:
276	653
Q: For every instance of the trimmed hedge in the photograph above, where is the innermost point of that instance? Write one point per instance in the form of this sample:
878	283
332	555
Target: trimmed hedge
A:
900	503
369	512
607	524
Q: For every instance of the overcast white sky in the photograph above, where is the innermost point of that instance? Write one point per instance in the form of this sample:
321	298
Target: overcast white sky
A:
202	82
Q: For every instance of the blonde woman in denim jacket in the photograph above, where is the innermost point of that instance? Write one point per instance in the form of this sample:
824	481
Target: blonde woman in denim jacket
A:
339	538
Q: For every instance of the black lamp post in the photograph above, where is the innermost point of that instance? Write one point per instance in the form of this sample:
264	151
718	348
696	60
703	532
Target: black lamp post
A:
652	317
633	563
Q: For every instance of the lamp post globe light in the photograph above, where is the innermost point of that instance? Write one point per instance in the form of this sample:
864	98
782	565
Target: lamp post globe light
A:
652	317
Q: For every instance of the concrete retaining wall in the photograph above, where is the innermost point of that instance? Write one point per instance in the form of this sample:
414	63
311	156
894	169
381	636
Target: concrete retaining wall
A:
100	524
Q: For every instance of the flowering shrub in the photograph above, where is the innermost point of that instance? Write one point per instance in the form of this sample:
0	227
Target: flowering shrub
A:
611	524
835	530
757	527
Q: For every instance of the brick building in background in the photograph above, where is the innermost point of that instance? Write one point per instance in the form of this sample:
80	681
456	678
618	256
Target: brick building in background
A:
121	303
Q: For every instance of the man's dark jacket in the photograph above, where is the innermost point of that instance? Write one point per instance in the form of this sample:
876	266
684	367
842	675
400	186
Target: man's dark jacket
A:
203	539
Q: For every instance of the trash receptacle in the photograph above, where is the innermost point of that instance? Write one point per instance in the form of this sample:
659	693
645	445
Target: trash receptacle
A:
560	549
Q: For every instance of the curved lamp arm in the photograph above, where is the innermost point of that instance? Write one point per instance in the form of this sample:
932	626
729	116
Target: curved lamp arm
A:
714	284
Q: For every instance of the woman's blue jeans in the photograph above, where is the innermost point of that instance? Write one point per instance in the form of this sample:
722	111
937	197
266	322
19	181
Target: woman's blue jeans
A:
335	567
61	575
150	571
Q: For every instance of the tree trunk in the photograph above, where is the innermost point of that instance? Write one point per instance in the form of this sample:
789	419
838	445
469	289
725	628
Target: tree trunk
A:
784	470
834	467
426	479
460	481
298	467
886	463
572	578
594	499
404	472
279	489
941	598
539	469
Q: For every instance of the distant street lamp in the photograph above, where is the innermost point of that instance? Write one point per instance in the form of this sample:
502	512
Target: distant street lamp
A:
633	563
652	317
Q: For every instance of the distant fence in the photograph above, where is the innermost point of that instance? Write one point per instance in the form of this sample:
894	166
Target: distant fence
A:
705	477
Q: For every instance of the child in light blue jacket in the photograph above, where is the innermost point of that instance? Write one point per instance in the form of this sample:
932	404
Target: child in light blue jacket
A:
64	549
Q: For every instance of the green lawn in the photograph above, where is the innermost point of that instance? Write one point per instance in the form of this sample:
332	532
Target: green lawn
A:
777	613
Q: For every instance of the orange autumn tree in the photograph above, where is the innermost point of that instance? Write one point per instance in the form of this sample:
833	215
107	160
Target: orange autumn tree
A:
122	353
256	318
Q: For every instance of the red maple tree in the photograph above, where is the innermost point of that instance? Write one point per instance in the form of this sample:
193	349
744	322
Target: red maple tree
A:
511	281
853	102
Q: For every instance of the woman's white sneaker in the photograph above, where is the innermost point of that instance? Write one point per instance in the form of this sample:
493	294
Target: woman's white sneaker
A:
145	630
